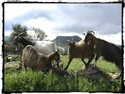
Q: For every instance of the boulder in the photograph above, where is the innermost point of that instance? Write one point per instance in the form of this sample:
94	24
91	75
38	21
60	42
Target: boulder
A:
114	75
59	71
93	72
13	65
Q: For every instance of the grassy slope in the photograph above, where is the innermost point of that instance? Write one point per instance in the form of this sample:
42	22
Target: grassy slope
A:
20	81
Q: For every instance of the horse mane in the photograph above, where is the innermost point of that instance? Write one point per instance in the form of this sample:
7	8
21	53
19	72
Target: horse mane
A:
26	42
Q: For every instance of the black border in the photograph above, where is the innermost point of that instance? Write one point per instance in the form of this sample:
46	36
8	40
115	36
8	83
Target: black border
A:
37	2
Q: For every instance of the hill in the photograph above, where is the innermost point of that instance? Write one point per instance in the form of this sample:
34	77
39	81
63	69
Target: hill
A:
62	40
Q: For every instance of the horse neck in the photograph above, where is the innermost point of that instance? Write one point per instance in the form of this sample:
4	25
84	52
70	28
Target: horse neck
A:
95	40
25	42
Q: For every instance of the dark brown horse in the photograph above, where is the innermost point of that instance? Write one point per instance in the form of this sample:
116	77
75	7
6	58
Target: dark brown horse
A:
108	50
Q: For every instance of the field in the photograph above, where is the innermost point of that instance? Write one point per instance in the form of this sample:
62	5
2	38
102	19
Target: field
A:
37	81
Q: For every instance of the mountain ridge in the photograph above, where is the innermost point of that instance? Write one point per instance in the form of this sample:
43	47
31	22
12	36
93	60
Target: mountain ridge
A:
62	40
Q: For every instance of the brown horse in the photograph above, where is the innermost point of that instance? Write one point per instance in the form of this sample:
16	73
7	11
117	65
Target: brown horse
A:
80	50
31	58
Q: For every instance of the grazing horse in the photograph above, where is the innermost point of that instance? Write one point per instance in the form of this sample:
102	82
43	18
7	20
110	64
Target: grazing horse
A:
43	47
31	58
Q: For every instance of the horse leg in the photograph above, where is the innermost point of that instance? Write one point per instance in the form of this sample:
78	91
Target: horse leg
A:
90	60
83	61
53	63
96	58
68	63
58	64
24	66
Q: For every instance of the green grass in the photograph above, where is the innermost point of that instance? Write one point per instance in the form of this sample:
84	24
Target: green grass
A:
37	81
77	64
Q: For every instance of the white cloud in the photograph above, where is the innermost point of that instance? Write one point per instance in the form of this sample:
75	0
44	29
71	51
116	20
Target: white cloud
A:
41	22
113	38
109	28
66	19
7	33
13	10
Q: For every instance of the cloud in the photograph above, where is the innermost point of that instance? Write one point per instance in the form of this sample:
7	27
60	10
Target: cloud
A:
7	26
109	29
7	33
32	14
55	19
40	22
94	16
113	38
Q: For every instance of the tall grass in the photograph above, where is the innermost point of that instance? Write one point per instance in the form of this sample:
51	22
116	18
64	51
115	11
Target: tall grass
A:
37	81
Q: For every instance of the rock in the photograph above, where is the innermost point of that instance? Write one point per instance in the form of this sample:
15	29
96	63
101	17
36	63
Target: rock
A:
54	64
92	72
59	71
10	57
114	75
13	65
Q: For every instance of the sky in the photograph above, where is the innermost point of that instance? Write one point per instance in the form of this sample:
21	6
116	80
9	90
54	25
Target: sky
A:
105	19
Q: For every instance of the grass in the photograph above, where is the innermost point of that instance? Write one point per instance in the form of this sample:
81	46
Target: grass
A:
37	81
77	64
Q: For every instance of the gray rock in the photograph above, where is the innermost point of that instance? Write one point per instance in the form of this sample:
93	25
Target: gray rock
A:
93	72
13	65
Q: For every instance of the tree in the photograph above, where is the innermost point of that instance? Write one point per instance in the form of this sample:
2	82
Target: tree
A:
18	31
40	34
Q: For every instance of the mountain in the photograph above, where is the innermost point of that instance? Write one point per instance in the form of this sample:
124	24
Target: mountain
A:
6	37
120	46
62	40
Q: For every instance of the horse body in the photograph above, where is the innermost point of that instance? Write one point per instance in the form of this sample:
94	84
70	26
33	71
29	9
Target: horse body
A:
109	51
45	47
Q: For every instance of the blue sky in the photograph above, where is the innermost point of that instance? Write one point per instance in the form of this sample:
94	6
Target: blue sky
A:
67	19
